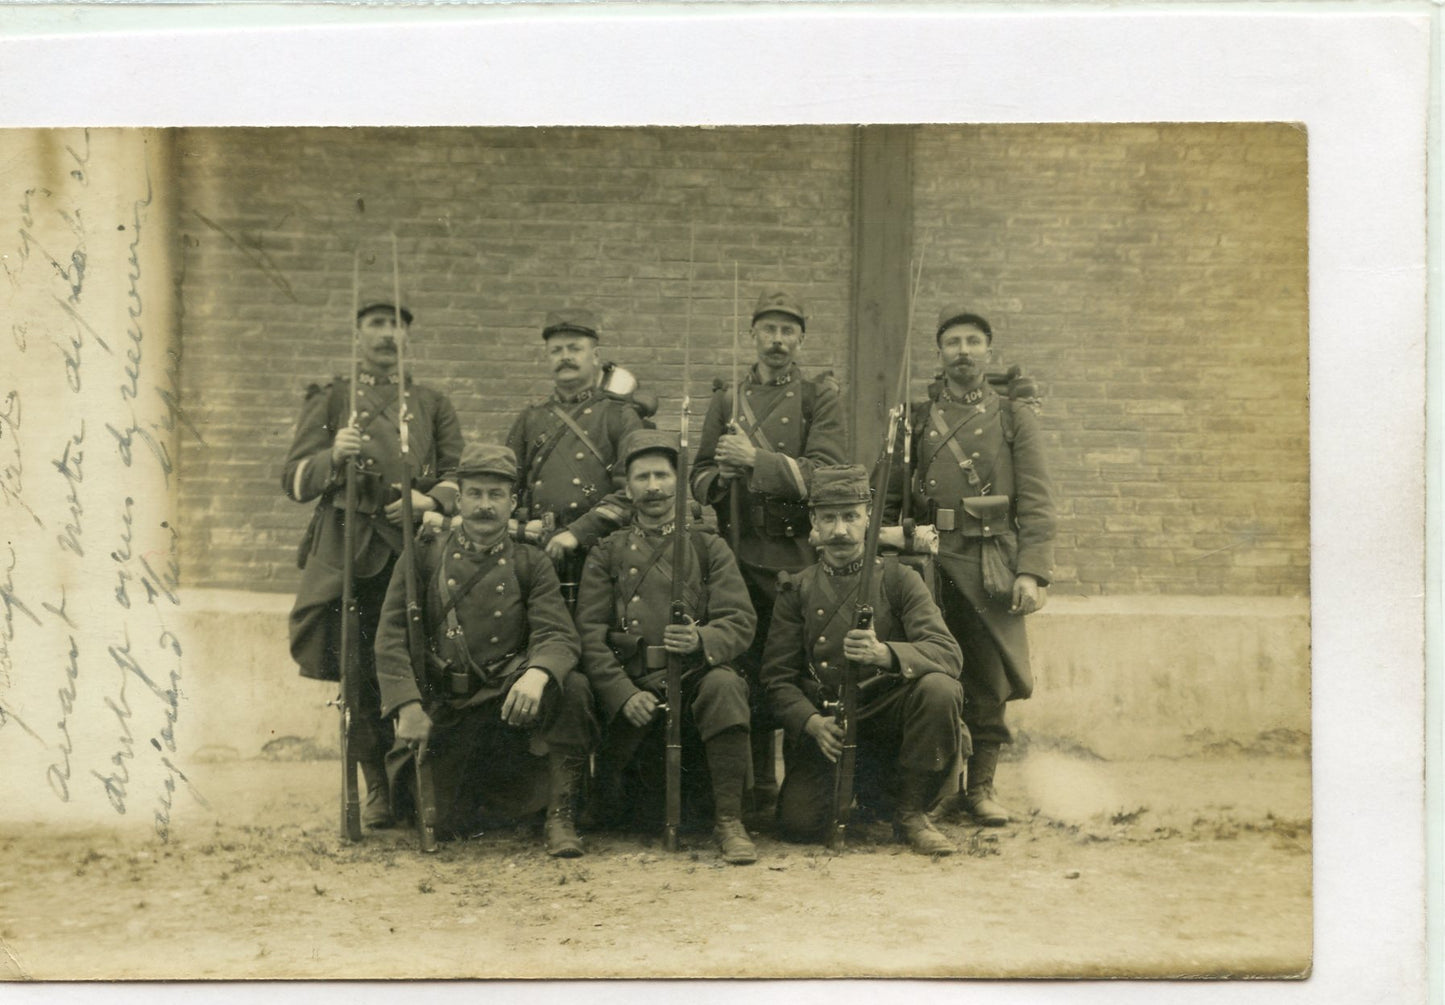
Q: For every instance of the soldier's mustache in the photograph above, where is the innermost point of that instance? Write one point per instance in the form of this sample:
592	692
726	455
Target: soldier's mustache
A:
566	366
656	496
840	540
486	513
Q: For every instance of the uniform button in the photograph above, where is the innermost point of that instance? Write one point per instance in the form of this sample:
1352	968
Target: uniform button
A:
496	614
363	414
820	612
985	527
932	482
933	432
749	392
975	453
456	554
635	621
636	599
580	455
787	394
493	640
784	420
501	561
572	505
782	445
576	481
501	587
823	665
586	411
537	484
633	571
822	640
978	432
451	582
365	437
371	462
634	548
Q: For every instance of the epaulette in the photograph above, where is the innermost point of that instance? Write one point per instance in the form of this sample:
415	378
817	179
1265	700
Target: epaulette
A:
827	381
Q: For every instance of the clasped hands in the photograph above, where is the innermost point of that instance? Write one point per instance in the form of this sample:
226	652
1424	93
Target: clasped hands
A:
681	640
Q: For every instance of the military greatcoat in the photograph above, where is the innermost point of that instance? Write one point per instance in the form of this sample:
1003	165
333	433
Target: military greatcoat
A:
983	445
571	473
796	425
511	617
624	602
909	717
435	446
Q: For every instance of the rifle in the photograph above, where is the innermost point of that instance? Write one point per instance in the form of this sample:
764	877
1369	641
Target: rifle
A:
415	625
905	517
735	490
845	709
673	680
350	699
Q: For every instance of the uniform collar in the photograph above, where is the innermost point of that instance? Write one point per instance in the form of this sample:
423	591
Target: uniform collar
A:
789	375
971	398
573	399
374	379
851	569
465	543
663	531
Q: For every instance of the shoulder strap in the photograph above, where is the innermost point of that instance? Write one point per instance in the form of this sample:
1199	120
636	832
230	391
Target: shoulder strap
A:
700	550
1006	416
571	423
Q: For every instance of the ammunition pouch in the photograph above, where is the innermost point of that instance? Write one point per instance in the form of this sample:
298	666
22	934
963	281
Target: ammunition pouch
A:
776	517
458	680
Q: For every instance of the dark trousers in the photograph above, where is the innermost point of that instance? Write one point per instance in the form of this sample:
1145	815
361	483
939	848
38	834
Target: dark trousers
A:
484	770
371	735
714	699
914	727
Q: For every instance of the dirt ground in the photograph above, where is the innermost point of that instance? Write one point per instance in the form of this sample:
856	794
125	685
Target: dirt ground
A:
1159	868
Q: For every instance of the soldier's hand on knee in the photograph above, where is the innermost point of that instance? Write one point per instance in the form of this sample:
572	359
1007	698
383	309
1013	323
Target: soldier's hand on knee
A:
640	708
413	726
524	700
560	544
826	732
862	646
346	445
1029	596
682	639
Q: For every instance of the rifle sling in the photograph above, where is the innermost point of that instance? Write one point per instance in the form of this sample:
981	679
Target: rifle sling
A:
571	423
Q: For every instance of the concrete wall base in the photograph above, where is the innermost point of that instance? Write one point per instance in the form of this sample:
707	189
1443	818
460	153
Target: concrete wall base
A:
1116	677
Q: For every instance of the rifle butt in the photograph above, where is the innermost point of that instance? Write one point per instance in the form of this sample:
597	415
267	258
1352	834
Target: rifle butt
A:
426	806
350	788
672	762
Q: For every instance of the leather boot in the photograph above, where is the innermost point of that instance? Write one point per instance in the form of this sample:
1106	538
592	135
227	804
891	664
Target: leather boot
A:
911	822
727	763
564	772
376	811
979	799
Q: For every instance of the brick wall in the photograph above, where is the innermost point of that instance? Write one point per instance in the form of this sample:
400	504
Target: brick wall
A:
495	227
1154	277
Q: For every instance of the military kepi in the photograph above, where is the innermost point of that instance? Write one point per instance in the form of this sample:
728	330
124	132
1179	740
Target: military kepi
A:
643	441
957	314
384	307
574	320
777	301
492	459
840	485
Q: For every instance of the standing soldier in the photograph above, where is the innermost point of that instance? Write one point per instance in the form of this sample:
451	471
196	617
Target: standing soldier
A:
786	426
500	690
908	731
980	477
623	615
566	448
324	452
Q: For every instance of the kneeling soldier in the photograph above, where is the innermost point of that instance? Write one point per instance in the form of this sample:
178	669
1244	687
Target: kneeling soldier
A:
909	729
501	689
623	615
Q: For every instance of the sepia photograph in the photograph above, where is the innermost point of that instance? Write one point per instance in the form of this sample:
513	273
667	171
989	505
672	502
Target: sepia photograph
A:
773	550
